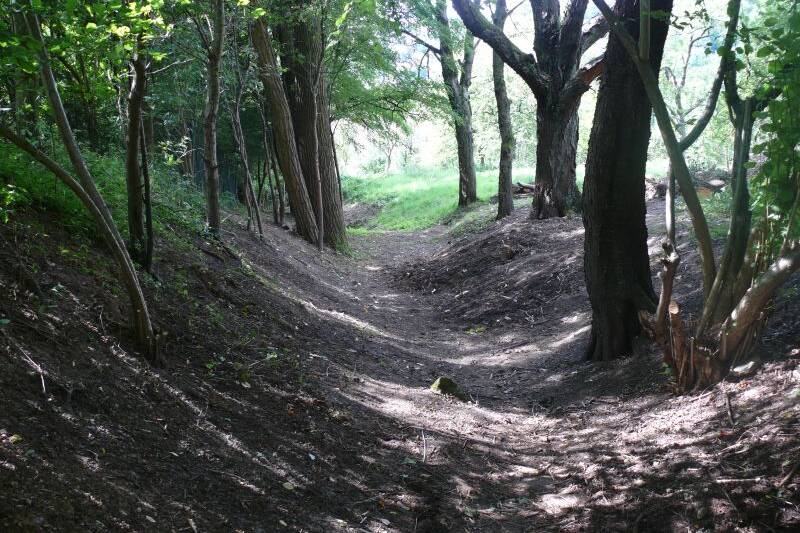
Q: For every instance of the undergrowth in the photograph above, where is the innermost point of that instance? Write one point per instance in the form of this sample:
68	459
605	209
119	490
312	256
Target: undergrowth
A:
177	203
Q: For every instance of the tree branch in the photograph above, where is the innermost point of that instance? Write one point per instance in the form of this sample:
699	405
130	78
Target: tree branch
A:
725	63
523	64
435	49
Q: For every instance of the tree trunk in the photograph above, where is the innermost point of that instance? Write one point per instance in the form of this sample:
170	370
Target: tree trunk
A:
147	255
467	188
505	194
616	261
210	118
136	240
457	87
556	149
140	315
302	57
335	228
285	145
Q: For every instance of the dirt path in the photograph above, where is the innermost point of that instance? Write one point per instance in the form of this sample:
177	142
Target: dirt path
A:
548	440
296	394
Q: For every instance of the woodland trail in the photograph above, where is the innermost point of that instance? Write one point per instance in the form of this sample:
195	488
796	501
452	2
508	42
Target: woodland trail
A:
548	441
296	394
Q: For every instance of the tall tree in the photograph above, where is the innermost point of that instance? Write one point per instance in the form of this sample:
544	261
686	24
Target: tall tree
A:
136	240
616	261
283	131
457	82
505	195
212	34
557	81
303	42
457	78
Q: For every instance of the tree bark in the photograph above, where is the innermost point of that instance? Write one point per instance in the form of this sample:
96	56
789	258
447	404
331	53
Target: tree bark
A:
505	194
211	113
457	87
556	150
616	261
285	144
136	239
147	255
311	119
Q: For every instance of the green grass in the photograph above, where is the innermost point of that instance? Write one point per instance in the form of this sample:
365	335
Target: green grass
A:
416	198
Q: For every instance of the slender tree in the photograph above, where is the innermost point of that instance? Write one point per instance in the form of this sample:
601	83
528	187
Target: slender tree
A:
505	194
457	78
212	35
133	179
84	187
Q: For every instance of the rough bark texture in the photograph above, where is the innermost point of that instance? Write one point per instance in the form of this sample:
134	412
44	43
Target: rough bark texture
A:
457	82
136	242
335	228
285	144
616	261
505	194
210	117
311	120
556	81
556	150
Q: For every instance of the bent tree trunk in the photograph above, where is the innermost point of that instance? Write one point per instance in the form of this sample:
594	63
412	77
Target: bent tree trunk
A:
616	262
285	145
556	149
140	315
505	194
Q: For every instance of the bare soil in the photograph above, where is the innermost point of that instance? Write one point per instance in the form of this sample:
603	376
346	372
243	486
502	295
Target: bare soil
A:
295	395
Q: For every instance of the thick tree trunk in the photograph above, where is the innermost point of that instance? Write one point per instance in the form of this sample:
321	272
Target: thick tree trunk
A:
505	194
302	57
556	149
136	240
285	144
210	118
617	265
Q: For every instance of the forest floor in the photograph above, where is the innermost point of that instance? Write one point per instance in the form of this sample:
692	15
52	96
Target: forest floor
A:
296	393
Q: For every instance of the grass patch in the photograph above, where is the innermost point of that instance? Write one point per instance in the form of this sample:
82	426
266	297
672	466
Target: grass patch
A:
416	199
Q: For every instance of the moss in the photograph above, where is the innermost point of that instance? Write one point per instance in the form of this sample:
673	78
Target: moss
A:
448	387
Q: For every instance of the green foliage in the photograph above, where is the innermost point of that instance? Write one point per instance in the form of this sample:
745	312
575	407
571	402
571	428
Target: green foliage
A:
776	185
176	202
11	197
